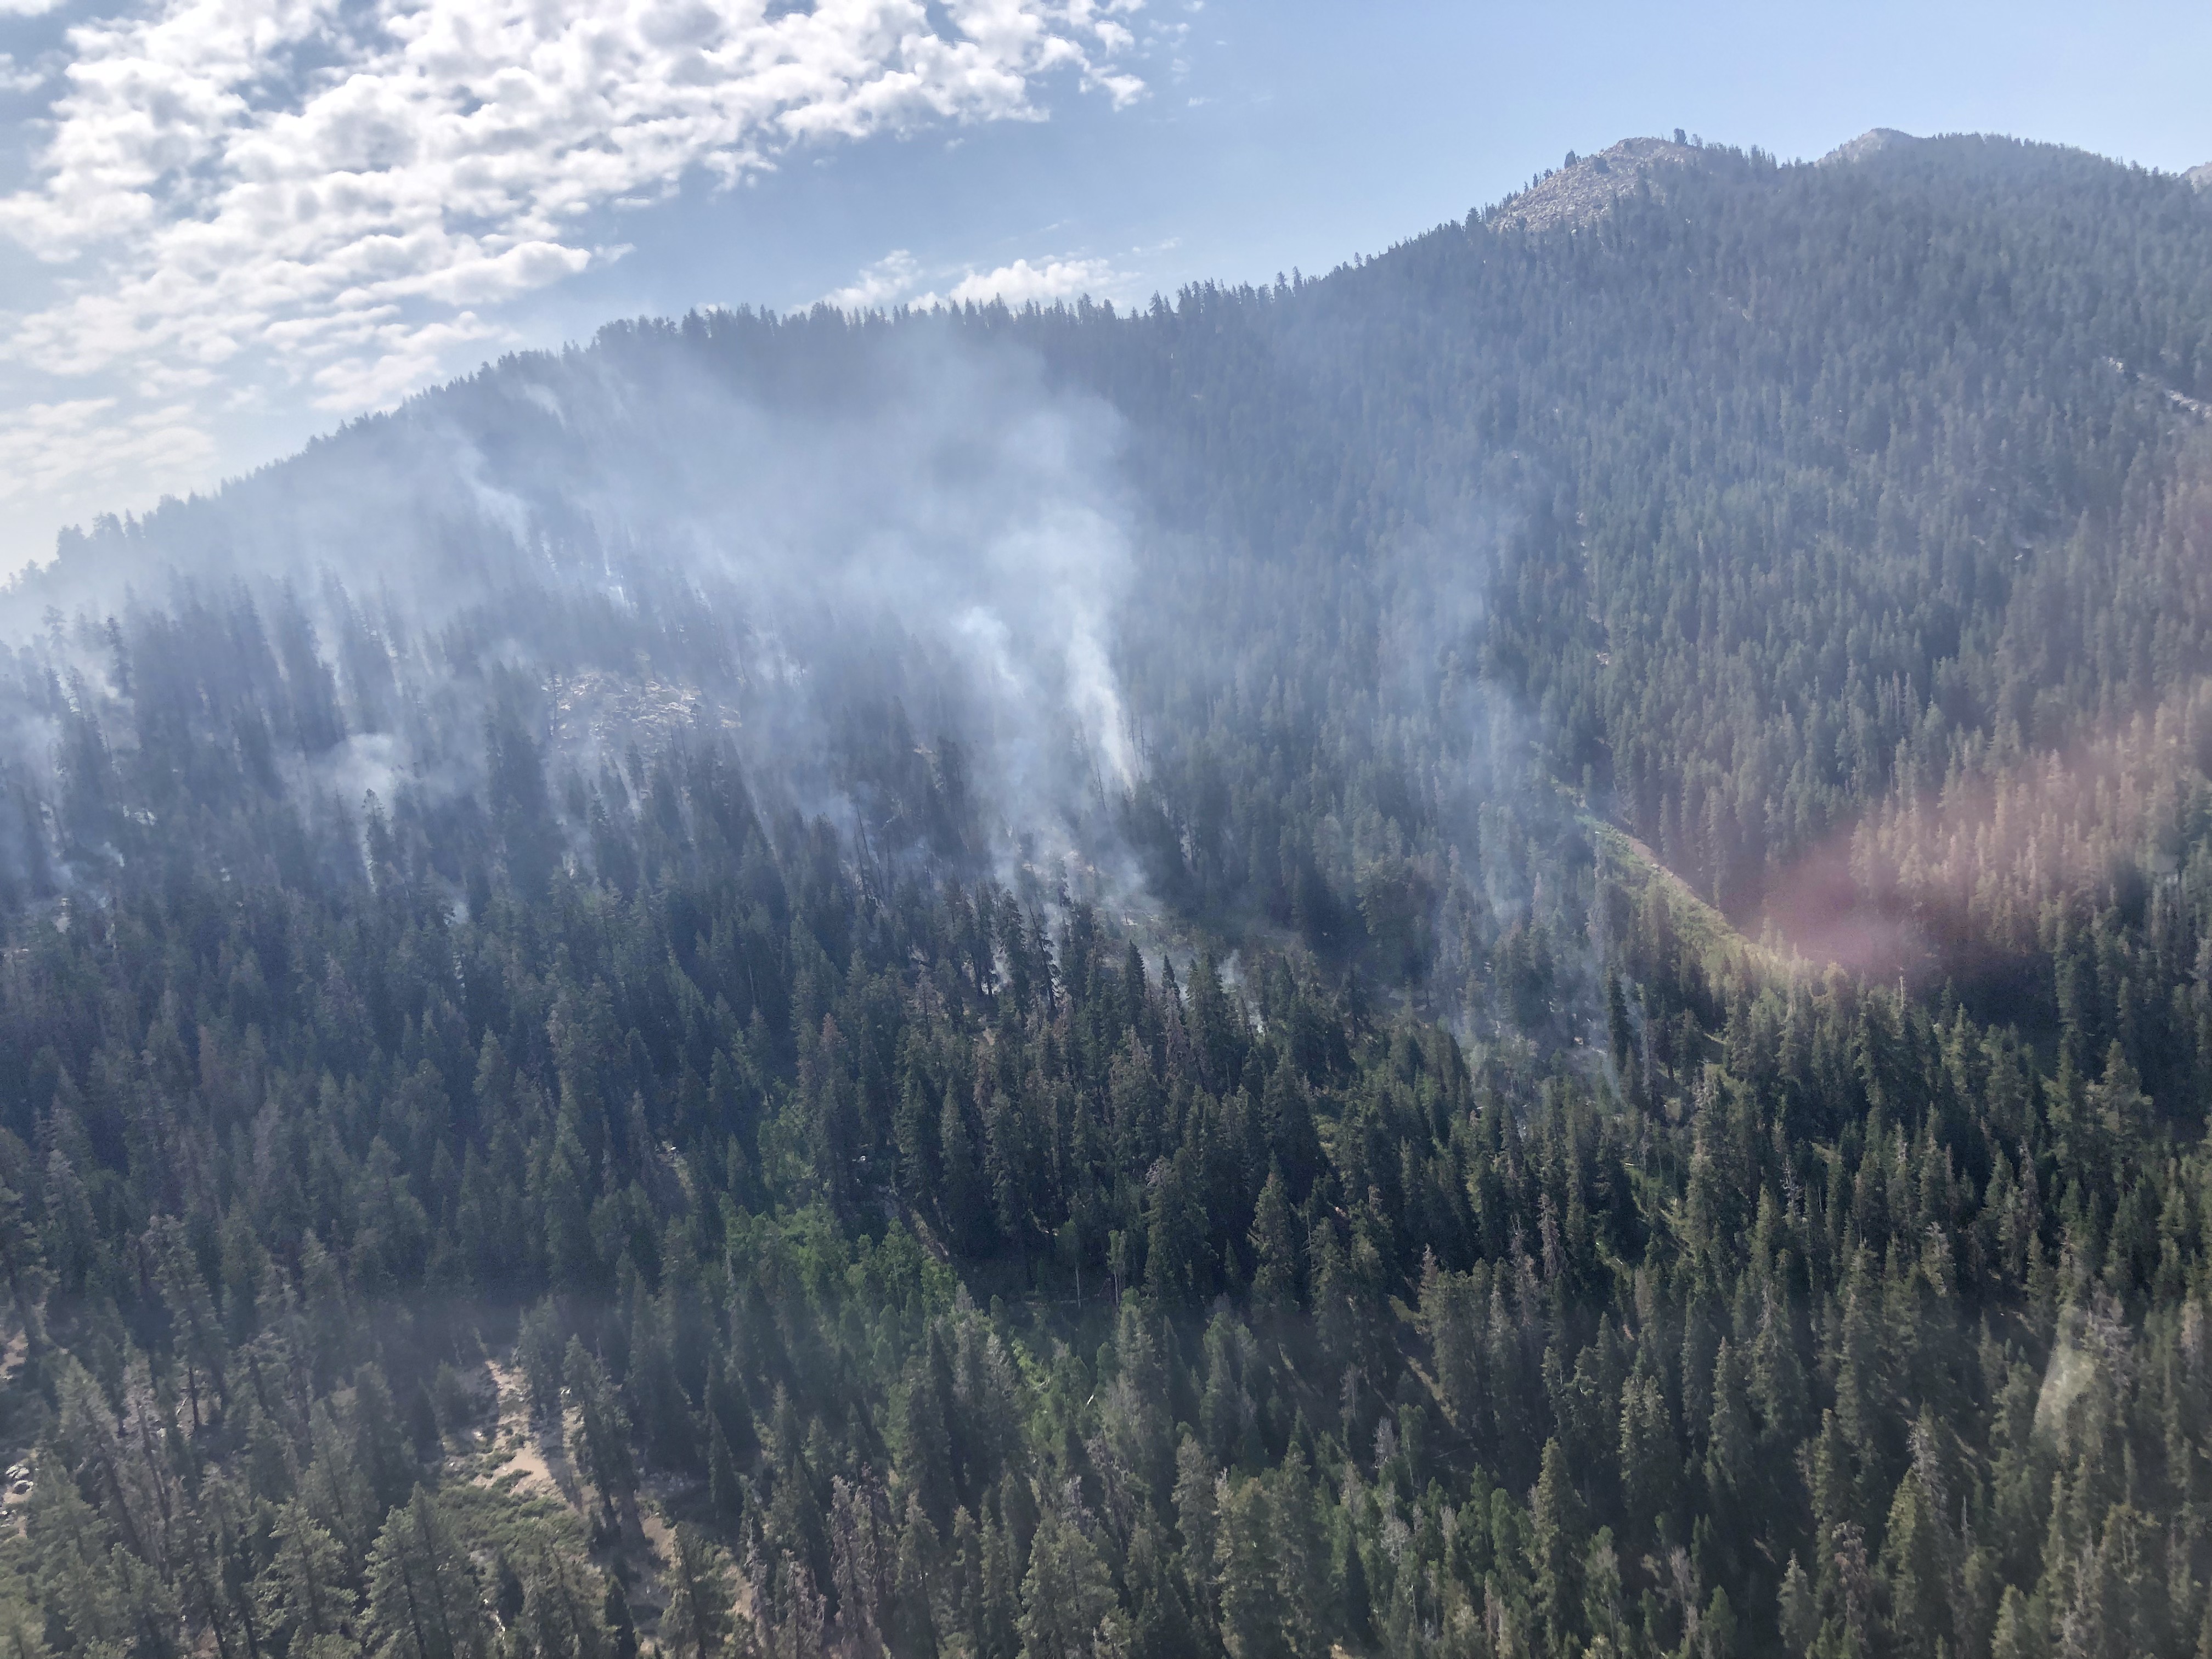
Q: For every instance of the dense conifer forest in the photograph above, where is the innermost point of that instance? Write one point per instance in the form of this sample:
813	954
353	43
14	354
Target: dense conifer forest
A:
1524	970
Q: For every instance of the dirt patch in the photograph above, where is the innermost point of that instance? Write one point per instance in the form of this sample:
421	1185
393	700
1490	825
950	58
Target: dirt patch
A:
532	1461
524	1459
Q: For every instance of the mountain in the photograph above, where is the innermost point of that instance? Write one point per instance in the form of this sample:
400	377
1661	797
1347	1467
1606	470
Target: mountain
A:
1873	142
1503	953
1580	192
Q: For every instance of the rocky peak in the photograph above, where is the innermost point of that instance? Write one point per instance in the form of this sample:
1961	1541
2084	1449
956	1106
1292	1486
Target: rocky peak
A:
1873	142
1587	186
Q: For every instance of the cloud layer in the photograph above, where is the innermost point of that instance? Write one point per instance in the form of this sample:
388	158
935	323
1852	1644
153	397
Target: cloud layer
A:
341	193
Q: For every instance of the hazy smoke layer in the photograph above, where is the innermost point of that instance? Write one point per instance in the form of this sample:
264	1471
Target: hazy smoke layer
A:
663	531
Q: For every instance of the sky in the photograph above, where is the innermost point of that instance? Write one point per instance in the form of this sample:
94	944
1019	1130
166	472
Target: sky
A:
226	226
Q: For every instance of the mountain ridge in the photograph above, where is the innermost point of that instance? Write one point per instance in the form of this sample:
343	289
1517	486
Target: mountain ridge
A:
1582	190
1501	956
1873	141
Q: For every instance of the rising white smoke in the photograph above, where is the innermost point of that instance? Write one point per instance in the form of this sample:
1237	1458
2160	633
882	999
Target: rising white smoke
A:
904	515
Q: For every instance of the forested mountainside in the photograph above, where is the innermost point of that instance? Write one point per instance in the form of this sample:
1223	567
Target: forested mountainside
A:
1506	954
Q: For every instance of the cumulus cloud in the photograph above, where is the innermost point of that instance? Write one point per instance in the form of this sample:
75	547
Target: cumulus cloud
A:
897	278
1022	282
346	190
890	280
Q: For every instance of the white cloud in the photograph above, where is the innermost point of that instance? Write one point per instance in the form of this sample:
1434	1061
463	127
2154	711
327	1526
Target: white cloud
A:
892	278
1021	282
85	447
343	192
897	278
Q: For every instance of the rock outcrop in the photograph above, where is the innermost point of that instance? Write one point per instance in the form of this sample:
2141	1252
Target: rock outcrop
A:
1873	142
1580	192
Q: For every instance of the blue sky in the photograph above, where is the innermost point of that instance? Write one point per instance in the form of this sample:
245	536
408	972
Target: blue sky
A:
230	224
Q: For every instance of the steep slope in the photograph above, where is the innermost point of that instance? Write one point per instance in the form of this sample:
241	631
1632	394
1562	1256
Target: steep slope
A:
1766	513
1015	983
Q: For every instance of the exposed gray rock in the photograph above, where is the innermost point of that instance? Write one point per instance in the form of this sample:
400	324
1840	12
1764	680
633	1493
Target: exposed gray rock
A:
2200	176
1581	192
1873	142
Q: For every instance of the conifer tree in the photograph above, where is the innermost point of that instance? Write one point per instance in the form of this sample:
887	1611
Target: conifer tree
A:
1069	1610
1245	1570
699	1614
601	1443
1556	1545
424	1599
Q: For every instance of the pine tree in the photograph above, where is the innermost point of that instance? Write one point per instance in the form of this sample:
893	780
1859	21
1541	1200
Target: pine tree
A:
424	1599
998	1608
538	1352
22	1265
622	1625
1250	1595
1797	1615
1159	1614
1274	1248
927	1431
302	1594
1301	1550
1135	1409
699	1614
2016	1635
1650	1462
1556	1545
1069	1610
601	1445
1912	1559
562	1614
725	1490
1605	1612
380	1447
1195	1518
913	1620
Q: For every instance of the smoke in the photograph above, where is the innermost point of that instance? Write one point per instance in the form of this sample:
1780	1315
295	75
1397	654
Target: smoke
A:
819	539
925	587
1473	867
